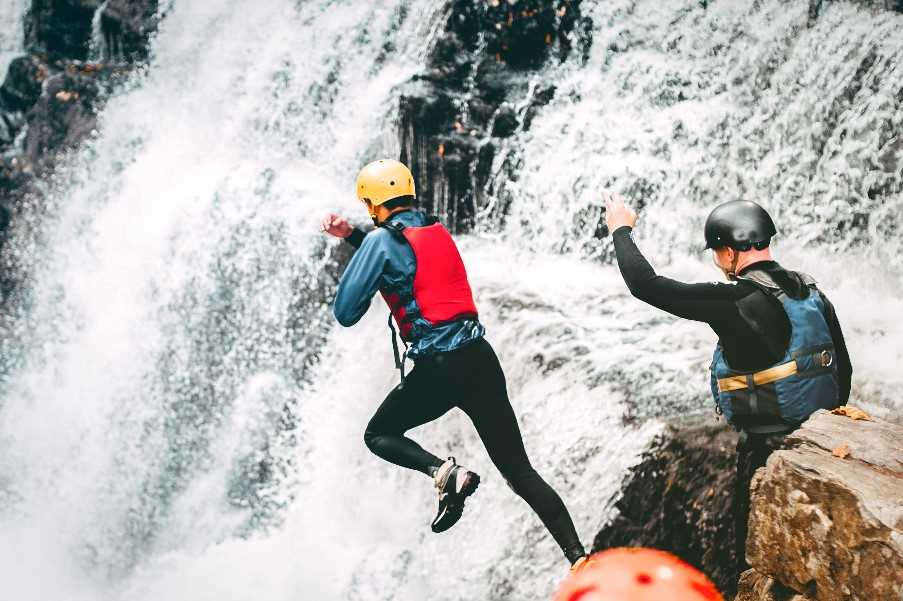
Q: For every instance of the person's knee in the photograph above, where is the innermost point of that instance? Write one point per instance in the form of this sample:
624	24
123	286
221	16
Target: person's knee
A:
376	434
371	437
521	480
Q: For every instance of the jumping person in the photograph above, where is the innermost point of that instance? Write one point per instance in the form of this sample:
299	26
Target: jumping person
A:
413	262
780	355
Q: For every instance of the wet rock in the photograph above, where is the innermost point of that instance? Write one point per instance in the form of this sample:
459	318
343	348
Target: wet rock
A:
60	28
505	122
66	112
481	67
127	26
827	513
53	94
679	498
816	6
22	86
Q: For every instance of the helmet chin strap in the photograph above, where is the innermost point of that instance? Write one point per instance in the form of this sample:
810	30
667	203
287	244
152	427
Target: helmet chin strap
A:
732	274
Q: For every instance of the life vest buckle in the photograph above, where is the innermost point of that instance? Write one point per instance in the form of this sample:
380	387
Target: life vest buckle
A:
827	359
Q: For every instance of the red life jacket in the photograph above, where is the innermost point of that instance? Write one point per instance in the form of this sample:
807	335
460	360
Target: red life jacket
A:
441	289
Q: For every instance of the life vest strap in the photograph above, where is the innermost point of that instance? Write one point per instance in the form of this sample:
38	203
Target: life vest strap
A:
759	378
823	359
399	356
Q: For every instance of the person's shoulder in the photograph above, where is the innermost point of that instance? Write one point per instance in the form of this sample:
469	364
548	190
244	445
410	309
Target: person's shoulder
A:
379	235
385	241
733	288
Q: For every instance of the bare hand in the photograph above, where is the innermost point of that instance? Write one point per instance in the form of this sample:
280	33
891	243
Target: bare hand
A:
336	226
617	214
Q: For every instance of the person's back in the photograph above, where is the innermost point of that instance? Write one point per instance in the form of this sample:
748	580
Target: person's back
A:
388	255
781	353
414	263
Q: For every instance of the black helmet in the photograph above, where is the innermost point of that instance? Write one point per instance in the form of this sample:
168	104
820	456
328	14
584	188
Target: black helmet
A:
739	224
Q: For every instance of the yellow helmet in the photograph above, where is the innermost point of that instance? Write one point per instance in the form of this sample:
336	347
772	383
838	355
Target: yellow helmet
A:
383	180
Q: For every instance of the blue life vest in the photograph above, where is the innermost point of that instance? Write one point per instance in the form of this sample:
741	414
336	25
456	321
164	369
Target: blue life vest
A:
803	381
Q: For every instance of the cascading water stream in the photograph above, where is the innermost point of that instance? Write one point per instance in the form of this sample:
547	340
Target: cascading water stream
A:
183	421
12	30
681	107
101	50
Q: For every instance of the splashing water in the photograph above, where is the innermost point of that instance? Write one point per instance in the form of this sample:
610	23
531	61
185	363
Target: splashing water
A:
681	108
12	32
182	420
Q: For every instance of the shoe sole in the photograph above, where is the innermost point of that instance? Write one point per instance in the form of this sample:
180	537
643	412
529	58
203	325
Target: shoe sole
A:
454	512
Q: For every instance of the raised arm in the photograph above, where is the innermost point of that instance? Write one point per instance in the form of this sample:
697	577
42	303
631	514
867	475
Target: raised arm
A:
708	302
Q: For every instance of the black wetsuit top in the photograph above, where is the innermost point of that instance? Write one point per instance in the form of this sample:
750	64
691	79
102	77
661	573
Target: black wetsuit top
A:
719	304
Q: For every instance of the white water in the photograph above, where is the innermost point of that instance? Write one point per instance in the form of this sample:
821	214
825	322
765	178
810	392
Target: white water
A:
12	32
99	48
171	340
758	88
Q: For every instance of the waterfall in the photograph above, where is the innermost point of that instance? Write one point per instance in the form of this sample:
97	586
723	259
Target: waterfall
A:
180	418
681	107
12	30
101	48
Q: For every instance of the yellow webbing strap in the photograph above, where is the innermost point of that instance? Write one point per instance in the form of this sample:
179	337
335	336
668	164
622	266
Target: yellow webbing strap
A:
766	376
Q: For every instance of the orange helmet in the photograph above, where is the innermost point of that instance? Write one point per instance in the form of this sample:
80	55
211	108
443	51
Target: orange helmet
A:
635	574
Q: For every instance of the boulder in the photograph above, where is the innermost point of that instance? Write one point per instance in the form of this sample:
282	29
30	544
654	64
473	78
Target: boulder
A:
827	512
22	86
680	498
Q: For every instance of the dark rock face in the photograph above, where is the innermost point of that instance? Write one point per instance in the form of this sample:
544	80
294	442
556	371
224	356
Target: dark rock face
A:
476	90
22	86
60	28
127	26
51	96
679	498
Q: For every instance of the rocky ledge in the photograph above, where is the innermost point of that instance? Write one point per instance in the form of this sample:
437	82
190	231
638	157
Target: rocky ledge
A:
827	516
679	498
827	511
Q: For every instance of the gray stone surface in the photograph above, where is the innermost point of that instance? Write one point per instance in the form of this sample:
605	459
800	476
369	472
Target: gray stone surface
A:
830	525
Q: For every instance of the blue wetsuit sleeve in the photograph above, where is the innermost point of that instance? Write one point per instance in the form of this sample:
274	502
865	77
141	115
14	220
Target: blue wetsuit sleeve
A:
360	281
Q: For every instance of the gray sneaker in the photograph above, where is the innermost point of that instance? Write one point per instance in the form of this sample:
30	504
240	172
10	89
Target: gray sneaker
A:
455	484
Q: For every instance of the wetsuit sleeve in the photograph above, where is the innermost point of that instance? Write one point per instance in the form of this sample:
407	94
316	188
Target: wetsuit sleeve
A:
844	366
360	281
356	238
709	302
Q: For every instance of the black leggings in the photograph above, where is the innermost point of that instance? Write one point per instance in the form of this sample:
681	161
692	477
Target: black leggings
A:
471	379
753	451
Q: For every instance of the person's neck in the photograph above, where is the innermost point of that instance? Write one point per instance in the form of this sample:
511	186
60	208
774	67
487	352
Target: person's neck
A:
750	257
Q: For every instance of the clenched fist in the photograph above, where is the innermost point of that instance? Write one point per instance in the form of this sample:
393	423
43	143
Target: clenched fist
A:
617	214
337	226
